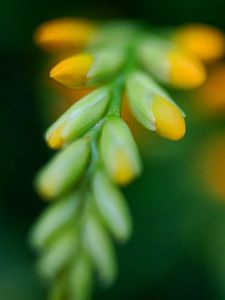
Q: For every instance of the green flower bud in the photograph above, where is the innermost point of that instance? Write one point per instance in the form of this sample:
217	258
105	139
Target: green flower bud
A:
98	245
88	68
79	118
153	107
112	206
80	278
119	151
59	253
54	218
64	170
170	64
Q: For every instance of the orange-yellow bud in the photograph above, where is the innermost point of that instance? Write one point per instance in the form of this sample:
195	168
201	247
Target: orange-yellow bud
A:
64	34
72	71
206	42
185	71
169	120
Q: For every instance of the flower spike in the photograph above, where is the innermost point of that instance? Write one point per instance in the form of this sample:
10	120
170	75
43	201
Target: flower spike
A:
74	236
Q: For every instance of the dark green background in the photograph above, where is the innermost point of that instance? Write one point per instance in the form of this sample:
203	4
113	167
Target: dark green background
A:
178	247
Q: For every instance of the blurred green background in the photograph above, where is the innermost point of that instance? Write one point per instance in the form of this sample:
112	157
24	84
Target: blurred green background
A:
178	247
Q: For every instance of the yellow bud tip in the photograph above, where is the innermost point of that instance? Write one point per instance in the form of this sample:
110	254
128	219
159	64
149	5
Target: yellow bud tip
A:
206	42
46	191
169	120
55	139
63	34
185	71
124	172
72	71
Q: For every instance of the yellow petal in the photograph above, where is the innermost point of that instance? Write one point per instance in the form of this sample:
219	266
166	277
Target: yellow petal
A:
72	71
206	42
185	71
63	34
124	172
169	120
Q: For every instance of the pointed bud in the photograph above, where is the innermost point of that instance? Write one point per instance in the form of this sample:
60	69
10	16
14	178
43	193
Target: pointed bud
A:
53	218
205	42
88	68
80	278
170	64
64	34
79	118
112	206
59	253
119	151
64	170
169	121
72	71
153	108
98	245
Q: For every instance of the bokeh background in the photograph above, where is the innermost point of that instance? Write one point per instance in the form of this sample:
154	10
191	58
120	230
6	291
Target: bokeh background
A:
177	250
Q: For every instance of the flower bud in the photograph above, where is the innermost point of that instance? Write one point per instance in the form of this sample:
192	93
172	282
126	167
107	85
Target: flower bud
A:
119	151
98	245
112	206
153	108
205	42
170	64
79	118
64	170
80	278
56	216
59	253
88	68
64	34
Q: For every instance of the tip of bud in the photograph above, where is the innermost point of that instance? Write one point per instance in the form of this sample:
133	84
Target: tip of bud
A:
63	34
169	120
72	71
124	172
55	139
206	42
185	70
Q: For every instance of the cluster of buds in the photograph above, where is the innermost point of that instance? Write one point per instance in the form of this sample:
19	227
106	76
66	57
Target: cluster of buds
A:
97	150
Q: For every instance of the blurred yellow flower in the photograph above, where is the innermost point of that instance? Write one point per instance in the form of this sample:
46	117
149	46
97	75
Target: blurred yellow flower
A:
185	70
64	34
210	97
206	42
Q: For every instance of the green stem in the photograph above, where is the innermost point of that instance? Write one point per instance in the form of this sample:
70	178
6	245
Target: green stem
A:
116	101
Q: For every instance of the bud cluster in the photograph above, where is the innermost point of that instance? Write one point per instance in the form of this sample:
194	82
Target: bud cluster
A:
97	152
